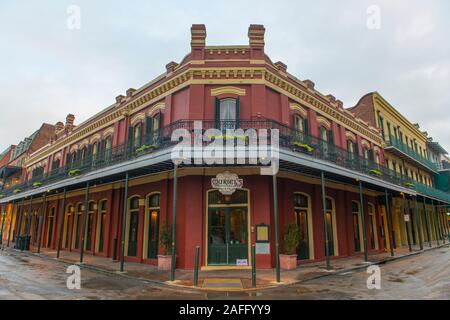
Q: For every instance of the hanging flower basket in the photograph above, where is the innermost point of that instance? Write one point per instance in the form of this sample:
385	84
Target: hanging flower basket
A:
16	191
145	148
74	172
303	146
409	185
37	184
375	172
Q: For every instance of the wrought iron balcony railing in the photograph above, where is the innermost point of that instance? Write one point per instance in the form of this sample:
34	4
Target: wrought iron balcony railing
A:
394	142
289	138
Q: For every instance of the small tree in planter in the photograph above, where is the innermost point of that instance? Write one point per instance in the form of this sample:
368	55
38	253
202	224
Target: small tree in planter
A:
291	240
165	241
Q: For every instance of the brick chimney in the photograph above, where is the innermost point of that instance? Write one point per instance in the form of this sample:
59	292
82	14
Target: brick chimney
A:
309	84
198	41
281	66
59	126
119	98
70	119
256	41
170	67
130	92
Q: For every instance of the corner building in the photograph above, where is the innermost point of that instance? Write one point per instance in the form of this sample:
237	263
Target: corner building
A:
81	197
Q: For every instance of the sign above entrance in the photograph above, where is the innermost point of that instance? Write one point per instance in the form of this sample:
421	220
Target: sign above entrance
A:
227	183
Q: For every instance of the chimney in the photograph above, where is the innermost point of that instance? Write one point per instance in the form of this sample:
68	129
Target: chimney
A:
309	84
59	127
70	119
256	41
281	66
340	104
331	98
198	41
170	67
130	92
119	98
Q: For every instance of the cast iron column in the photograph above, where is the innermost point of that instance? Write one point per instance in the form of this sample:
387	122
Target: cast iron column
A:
388	213
83	229
41	221
363	221
324	206
427	223
17	232
419	223
124	218
27	226
10	222
436	231
275	213
174	223
406	223
61	222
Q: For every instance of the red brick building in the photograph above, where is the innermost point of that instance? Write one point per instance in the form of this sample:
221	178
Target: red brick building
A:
110	180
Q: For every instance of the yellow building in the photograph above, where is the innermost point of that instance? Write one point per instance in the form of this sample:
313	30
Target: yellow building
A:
407	157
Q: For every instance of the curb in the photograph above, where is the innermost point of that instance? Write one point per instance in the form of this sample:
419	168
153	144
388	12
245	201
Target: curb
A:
202	290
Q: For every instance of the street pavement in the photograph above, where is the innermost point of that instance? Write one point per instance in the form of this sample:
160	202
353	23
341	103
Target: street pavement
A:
30	277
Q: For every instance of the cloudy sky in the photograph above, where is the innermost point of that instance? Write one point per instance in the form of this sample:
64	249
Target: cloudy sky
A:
48	70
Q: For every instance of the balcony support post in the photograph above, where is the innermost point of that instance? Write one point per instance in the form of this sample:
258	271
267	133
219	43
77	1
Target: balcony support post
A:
174	222
324	206
83	228
363	221
124	221
427	222
27	226
389	222
418	223
407	224
61	223
275	213
436	229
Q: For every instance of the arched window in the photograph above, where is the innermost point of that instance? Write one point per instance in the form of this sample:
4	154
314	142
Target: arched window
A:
356	226
330	225
89	223
133	226
77	226
108	148
373	227
66	232
152	226
94	151
227	113
101	225
302	218
137	138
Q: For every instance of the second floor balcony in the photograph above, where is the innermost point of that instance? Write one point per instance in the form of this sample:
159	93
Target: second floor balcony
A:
407	153
297	144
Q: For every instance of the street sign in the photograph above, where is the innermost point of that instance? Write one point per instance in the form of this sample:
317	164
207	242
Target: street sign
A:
406	217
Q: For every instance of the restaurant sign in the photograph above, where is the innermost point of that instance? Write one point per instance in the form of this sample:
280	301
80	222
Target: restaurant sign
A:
227	183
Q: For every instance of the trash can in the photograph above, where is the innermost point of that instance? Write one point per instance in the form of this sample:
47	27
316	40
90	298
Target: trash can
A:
18	244
26	243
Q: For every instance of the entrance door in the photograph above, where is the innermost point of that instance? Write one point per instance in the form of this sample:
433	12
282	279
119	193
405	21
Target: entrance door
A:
301	216
227	236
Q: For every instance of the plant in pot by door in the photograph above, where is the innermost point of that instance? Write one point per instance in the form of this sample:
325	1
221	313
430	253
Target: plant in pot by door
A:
291	240
165	241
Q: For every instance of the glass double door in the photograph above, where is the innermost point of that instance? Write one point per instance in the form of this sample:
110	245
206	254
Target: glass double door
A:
228	236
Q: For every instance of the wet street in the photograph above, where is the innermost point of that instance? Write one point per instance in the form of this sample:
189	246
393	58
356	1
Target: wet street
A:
424	276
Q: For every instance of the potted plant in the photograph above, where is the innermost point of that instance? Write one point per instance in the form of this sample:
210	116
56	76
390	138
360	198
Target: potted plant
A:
375	172
304	146
37	184
16	191
74	172
409	185
144	148
291	240
165	241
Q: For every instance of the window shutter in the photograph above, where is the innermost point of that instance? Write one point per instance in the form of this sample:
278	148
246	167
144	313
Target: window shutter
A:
238	112
89	152
330	137
130	141
149	130
68	159
216	113
371	155
356	150
305	126
159	124
78	157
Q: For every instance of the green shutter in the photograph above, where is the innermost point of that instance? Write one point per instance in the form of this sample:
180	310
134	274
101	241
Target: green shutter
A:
130	142
305	126
149	130
216	113
330	137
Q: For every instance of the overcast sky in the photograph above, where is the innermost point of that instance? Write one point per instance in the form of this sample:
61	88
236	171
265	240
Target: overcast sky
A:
48	70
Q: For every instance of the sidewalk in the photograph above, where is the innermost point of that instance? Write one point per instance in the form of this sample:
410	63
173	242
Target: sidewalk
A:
265	278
